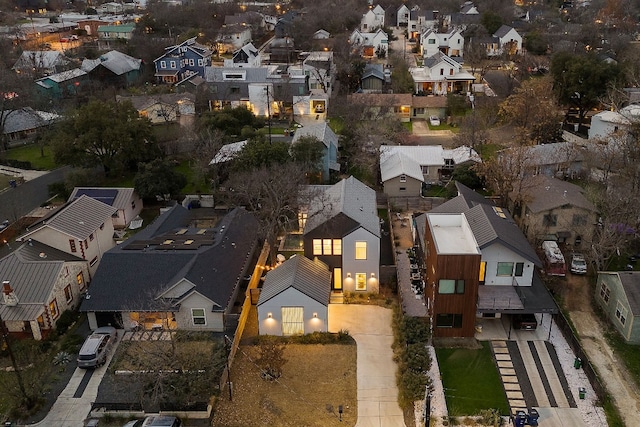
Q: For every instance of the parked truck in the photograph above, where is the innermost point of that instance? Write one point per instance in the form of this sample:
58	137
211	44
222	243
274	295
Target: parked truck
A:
554	263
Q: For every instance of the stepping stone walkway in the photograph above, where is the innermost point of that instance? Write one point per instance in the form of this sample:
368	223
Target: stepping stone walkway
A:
545	385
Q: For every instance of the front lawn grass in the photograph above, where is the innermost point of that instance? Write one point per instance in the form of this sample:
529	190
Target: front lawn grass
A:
4	181
627	352
471	381
31	153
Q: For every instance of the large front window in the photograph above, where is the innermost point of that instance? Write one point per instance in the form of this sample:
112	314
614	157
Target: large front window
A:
450	286
53	309
361	250
317	246
292	321
550	220
198	316
327	247
361	282
505	269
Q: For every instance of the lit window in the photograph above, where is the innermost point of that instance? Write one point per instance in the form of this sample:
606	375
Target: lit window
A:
53	308
326	246
198	317
337	278
317	246
505	269
361	282
68	294
80	278
337	247
361	250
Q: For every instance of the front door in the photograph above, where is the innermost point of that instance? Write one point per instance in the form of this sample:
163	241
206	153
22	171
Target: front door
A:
292	320
337	279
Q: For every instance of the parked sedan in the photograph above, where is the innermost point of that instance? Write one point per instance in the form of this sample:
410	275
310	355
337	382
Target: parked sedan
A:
578	264
434	121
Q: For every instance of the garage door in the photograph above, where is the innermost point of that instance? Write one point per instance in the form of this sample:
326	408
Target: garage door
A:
292	320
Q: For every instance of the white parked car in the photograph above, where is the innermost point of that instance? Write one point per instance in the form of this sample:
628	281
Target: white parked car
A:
578	264
434	121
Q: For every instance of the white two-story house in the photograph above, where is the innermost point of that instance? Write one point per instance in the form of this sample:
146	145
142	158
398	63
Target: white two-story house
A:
450	43
341	227
373	19
441	75
83	227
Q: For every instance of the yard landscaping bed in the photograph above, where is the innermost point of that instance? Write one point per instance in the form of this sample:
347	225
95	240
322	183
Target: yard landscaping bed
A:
315	381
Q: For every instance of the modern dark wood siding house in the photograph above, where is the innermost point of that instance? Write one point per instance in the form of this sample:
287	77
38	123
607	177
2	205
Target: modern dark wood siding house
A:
451	287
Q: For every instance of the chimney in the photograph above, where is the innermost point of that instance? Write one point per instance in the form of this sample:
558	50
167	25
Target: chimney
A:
9	297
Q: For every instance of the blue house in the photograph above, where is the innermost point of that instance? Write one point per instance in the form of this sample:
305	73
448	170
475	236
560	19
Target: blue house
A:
329	139
182	61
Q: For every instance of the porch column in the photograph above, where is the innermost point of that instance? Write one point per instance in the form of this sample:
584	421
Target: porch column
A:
35	330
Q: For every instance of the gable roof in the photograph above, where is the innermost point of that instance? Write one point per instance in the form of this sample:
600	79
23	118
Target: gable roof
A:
424	155
630	281
62	76
321	131
503	31
78	218
373	70
116	62
400	164
543	193
349	197
142	102
46	59
119	198
489	224
312	278
133	275
190	44
25	119
32	271
439	57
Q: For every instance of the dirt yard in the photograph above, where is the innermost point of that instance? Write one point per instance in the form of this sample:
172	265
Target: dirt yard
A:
316	380
577	296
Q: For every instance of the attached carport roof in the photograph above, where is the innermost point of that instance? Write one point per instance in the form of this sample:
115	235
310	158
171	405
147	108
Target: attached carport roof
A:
530	299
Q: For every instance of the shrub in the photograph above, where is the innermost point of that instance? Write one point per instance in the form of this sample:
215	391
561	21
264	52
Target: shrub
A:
412	386
416	330
67	318
71	343
417	358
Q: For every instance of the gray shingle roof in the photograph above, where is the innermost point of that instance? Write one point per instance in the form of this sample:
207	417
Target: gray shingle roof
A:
487	225
320	131
312	278
349	197
502	31
399	164
79	218
22	119
631	283
46	59
132	275
543	193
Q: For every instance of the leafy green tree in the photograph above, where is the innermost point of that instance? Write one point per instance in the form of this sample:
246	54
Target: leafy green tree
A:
536	43
401	79
106	134
466	175
308	152
260	152
581	80
231	121
491	21
158	178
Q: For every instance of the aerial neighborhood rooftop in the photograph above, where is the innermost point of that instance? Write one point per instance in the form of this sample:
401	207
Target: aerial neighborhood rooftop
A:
394	213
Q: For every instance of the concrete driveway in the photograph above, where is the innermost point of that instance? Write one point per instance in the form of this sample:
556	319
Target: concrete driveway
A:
370	326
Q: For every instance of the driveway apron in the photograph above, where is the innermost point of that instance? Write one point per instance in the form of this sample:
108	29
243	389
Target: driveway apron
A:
370	326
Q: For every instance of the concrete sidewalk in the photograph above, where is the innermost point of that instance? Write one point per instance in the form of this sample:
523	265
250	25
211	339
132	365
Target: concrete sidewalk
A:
370	326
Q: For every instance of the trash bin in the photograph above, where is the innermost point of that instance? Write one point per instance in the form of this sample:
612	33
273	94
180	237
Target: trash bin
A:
577	363
532	417
13	183
520	419
582	392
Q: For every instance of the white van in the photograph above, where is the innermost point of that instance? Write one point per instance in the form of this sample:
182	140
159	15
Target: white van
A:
94	351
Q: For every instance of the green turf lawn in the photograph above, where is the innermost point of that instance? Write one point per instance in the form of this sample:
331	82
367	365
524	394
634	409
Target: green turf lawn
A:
31	153
471	381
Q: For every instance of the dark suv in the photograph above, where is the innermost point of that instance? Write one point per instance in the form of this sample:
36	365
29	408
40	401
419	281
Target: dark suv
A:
526	322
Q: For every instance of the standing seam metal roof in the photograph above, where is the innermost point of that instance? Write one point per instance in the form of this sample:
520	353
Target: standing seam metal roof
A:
312	278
